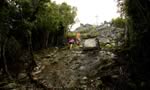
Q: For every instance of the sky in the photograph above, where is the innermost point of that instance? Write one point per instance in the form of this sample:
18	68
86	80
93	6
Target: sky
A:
92	11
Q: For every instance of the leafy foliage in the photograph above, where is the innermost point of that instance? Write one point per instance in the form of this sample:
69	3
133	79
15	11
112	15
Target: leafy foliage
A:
54	21
137	13
119	22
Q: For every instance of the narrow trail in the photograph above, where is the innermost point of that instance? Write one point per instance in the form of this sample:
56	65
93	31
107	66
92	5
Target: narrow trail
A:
63	68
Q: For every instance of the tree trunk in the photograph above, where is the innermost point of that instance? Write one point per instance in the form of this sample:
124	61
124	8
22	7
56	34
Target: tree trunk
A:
44	38
29	40
4	60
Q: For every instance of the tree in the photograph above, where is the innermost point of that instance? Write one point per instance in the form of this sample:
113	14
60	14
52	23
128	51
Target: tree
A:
137	13
15	38
53	22
119	22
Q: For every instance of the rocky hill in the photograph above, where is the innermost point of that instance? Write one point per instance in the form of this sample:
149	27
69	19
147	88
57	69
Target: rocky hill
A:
108	36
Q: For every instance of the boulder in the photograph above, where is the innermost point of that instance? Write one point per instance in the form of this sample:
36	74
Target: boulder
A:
91	44
103	40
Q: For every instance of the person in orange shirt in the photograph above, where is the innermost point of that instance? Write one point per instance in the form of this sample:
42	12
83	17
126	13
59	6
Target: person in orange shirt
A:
78	39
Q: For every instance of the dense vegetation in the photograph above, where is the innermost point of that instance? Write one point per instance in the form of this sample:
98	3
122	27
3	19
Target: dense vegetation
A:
27	25
137	49
118	22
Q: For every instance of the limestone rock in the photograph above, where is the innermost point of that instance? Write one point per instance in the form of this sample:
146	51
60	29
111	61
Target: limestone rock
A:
90	44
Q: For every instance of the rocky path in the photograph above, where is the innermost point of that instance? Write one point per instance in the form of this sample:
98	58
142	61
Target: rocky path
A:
63	68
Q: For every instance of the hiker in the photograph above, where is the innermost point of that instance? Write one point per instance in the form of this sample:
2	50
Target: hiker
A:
78	40
71	41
